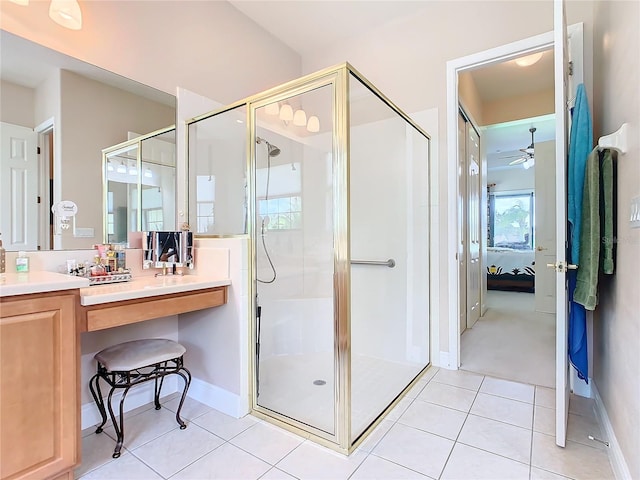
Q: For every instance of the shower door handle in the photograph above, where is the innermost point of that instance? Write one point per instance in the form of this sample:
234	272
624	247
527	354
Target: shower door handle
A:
388	263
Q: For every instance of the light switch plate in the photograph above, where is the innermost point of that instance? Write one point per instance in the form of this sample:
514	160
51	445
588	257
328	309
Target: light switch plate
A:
634	213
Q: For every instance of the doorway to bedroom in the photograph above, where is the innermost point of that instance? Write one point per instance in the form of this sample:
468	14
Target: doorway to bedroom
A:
514	336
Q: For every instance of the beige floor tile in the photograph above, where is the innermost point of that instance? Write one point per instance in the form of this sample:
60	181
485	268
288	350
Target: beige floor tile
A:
468	463
145	427
223	425
582	406
497	437
97	449
417	450
545	397
267	442
544	420
579	429
225	462
505	388
313	461
429	374
374	437
399	409
448	396
177	449
459	378
376	468
416	389
503	410
539	474
127	466
574	460
275	474
433	418
190	409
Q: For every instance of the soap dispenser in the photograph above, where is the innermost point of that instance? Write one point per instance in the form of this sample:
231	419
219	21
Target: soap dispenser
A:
2	257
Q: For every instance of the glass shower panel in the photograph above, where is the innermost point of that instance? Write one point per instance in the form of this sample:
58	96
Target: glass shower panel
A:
295	366
389	240
158	180
122	194
217	173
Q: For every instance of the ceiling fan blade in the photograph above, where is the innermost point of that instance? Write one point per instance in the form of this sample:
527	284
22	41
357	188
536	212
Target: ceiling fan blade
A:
518	161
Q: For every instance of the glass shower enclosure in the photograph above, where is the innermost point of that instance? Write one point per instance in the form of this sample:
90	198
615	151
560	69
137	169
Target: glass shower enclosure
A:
329	179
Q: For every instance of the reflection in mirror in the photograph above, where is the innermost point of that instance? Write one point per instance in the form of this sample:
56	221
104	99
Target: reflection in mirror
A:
140	188
72	111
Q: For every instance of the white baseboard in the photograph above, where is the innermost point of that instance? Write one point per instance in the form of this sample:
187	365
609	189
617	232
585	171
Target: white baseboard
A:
444	361
137	397
218	398
618	463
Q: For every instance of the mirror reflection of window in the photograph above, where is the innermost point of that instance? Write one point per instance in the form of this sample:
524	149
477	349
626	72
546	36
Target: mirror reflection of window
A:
284	206
205	203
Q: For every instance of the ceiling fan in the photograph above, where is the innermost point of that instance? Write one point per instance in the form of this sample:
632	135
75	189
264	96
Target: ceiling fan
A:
527	160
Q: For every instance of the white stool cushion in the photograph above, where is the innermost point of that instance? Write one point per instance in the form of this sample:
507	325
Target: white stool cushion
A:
139	353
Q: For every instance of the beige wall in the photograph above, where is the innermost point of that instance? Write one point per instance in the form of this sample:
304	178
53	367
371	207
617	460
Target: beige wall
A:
517	108
617	318
470	98
96	116
209	48
17	104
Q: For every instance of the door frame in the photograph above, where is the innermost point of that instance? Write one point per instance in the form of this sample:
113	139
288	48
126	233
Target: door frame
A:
46	159
499	54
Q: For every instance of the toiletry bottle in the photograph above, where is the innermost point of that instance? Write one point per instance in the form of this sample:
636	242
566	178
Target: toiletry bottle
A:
2	257
22	262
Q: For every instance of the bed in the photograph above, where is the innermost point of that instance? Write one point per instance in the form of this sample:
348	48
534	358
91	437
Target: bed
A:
510	269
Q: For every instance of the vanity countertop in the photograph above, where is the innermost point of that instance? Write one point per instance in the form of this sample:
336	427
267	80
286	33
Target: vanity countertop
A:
148	286
38	282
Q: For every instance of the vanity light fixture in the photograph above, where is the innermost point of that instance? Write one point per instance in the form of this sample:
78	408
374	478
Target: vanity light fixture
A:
133	170
286	113
300	118
121	168
148	173
109	166
66	13
313	125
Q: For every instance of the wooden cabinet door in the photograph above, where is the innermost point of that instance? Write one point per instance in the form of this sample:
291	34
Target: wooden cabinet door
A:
38	386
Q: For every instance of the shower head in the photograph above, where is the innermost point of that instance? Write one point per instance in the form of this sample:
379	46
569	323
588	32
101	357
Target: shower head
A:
272	150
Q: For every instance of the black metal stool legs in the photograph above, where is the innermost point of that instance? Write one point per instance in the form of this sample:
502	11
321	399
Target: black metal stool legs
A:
125	380
97	397
187	382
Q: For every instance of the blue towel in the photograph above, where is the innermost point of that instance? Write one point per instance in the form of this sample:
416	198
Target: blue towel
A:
580	145
578	353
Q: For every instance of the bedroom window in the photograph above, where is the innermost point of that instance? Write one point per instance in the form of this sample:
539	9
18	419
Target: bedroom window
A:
511	220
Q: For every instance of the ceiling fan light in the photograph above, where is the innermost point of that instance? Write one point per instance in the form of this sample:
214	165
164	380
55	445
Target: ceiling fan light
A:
529	59
66	13
530	162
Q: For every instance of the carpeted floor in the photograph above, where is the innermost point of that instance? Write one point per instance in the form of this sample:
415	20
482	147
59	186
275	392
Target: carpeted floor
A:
511	341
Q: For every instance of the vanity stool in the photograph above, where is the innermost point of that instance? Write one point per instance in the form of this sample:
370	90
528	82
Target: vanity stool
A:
128	364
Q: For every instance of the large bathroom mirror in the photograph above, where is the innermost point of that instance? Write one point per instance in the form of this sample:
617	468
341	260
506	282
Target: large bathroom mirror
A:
70	111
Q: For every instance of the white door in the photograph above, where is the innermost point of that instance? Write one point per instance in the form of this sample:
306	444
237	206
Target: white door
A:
561	82
473	226
545	226
462	222
19	187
